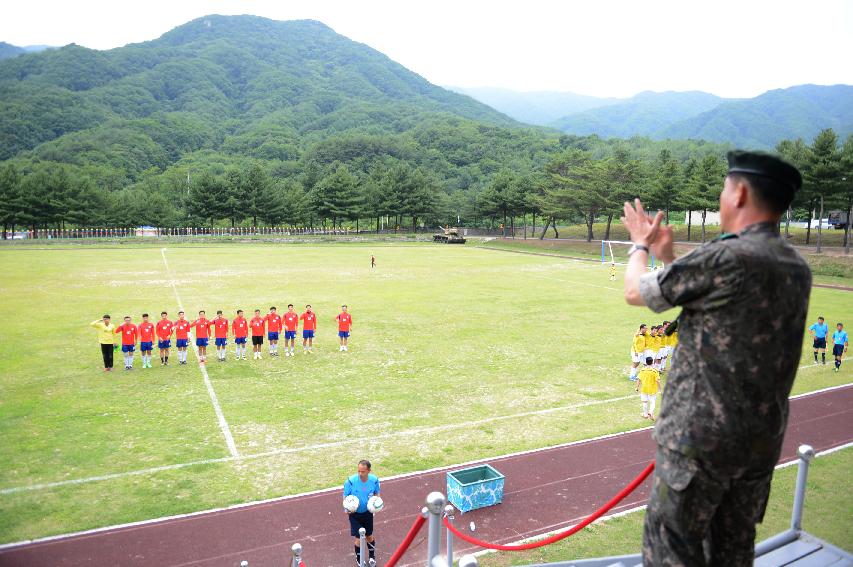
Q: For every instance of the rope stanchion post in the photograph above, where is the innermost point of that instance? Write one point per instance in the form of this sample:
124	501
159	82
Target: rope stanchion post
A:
468	561
448	513
244	564
296	549
435	506
806	454
362	547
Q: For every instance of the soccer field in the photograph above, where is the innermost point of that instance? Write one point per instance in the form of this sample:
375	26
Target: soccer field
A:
457	353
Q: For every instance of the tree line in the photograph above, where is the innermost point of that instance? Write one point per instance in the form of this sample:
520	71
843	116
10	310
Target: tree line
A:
584	180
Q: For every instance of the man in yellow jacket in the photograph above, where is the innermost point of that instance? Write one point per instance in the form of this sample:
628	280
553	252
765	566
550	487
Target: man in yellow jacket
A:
106	336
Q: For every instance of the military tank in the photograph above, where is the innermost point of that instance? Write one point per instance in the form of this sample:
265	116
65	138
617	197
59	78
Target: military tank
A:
449	235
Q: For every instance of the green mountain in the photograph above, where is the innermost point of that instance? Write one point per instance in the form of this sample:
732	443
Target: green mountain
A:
645	114
242	84
761	122
535	107
8	50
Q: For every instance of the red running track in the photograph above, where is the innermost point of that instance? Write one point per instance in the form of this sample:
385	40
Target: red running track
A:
545	490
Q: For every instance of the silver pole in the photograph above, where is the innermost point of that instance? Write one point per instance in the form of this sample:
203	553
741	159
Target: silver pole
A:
297	554
468	561
448	513
362	547
244	564
435	505
806	454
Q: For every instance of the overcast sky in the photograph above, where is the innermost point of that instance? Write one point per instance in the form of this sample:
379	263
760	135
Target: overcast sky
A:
597	47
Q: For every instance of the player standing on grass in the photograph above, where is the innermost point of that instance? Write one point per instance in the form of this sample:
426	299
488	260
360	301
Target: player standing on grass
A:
220	333
273	320
309	325
638	347
840	344
291	323
128	332
818	332
344	320
106	338
182	337
648	384
257	324
146	340
362	485
372	261
612	271
240	329
202	335
164	337
665	350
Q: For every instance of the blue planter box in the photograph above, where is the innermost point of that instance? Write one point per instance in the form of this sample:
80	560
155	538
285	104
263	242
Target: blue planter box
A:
475	487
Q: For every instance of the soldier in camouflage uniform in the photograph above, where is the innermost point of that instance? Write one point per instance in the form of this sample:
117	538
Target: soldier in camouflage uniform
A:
744	299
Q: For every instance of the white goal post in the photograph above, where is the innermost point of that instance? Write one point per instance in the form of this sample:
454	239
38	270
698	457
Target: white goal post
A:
607	254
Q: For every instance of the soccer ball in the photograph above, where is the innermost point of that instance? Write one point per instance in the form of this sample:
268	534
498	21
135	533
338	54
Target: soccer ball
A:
351	503
375	504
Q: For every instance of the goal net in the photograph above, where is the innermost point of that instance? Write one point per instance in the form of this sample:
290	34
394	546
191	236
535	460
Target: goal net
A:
616	252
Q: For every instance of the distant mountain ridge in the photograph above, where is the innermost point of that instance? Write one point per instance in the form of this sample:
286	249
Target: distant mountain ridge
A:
759	122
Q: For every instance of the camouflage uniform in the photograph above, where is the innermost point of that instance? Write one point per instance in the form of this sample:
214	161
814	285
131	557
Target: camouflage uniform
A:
725	408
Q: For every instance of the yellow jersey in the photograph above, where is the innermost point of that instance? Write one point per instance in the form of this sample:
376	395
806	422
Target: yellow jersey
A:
106	333
639	343
673	339
649	379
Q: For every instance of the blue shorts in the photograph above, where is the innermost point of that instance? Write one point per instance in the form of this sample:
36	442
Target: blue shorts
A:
360	520
240	341
289	335
181	343
819	343
221	342
164	344
272	336
308	334
201	342
127	348
343	334
146	346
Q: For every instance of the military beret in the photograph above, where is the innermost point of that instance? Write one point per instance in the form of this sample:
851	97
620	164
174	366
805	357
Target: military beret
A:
765	165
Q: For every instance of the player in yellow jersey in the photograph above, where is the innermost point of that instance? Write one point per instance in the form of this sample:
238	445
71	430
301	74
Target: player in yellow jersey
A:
665	346
613	271
638	347
648	385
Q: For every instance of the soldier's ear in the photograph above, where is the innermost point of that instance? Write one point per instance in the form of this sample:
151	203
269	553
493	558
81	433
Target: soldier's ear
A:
741	193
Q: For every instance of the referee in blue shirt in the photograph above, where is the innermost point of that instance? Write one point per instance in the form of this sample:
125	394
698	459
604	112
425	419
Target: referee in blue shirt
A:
819	331
363	485
840	344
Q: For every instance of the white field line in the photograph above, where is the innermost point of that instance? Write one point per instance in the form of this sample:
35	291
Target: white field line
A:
628	511
390	478
223	424
415	431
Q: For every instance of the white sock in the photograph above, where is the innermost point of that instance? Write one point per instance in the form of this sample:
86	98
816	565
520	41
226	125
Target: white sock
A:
645	408
652	405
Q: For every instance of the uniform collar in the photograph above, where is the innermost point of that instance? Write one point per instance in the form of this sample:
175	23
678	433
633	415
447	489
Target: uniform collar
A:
761	227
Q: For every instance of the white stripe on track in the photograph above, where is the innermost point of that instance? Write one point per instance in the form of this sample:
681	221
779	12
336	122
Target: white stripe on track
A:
220	417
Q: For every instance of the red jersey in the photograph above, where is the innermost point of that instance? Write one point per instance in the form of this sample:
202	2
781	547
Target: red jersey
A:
257	324
164	329
146	332
344	321
240	327
309	320
273	322
202	328
220	328
291	321
182	329
128	332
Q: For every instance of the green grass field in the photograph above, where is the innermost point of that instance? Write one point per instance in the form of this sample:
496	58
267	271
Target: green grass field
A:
454	350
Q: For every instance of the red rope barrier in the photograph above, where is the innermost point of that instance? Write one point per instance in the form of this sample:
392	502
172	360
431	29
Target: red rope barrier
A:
566	533
407	541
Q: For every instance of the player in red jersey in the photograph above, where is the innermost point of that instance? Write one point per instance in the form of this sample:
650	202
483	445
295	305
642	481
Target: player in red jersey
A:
291	323
240	329
146	340
128	332
202	335
344	320
164	337
182	337
257	325
309	326
220	333
273	320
